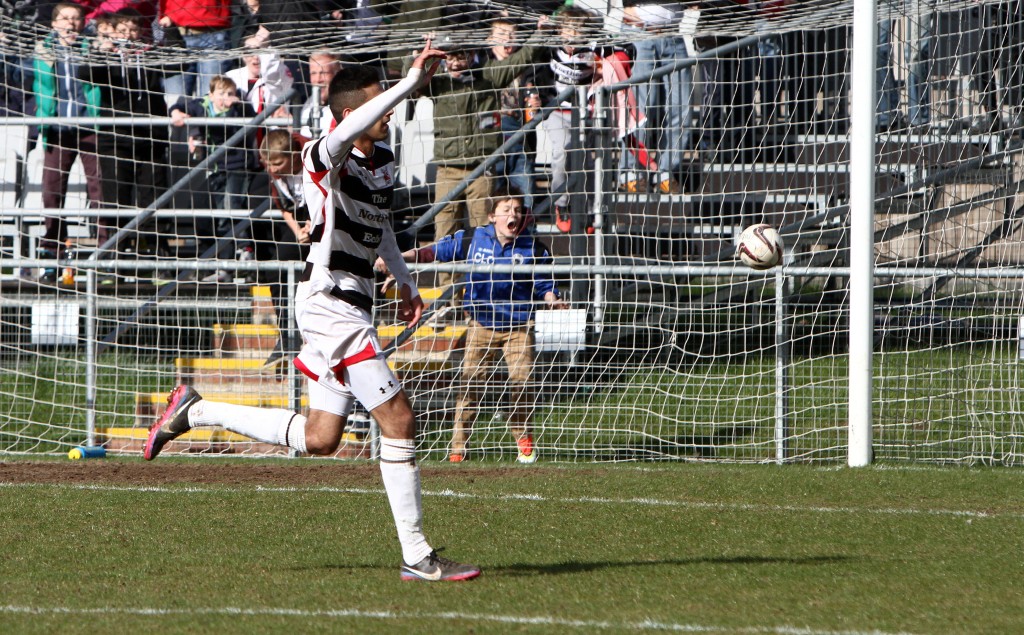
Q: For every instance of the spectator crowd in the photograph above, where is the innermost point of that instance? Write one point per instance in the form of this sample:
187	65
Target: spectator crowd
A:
137	59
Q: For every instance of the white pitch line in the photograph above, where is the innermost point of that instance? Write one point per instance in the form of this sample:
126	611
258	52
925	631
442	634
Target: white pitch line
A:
447	493
645	625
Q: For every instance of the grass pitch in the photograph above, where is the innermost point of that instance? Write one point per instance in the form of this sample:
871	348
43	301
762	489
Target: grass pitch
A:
239	546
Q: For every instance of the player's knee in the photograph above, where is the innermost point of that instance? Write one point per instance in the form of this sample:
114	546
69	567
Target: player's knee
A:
396	418
322	444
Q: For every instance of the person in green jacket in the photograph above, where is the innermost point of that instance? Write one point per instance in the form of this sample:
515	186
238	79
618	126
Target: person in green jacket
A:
467	126
60	93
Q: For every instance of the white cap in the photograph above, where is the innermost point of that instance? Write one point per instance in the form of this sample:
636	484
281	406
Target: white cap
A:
654	14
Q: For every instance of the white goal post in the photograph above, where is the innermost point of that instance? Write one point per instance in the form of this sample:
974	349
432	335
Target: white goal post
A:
862	227
883	139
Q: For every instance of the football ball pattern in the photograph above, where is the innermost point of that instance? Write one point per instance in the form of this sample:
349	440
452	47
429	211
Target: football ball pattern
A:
760	247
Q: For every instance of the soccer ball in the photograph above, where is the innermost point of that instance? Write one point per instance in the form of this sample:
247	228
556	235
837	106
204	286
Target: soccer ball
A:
760	247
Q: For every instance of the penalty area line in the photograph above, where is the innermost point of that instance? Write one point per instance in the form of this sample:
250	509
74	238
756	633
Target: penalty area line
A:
540	498
644	625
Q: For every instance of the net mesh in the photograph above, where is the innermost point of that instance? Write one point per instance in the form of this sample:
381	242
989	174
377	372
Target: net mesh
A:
143	248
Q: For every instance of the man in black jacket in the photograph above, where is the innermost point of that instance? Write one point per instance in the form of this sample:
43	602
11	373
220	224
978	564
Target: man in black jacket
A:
133	159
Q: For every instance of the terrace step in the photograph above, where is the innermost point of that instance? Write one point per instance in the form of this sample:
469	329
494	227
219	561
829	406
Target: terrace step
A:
254	341
263	311
217	375
426	338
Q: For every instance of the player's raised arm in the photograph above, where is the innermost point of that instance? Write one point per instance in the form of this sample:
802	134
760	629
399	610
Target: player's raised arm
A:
353	122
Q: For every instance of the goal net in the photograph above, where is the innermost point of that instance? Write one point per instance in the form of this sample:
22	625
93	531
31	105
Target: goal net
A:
154	227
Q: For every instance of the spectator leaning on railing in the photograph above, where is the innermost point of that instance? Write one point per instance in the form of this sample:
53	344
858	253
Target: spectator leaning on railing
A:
133	159
316	114
289	238
60	93
231	175
467	126
519	101
204	26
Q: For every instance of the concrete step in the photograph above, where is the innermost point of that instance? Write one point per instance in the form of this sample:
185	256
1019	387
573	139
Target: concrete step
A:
426	338
262	307
231	375
429	294
387	311
423	361
251	341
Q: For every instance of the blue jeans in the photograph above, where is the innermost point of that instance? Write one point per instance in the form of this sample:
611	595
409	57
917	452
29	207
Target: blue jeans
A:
665	100
203	70
517	166
229	191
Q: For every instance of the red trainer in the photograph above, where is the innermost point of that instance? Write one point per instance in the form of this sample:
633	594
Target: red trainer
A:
527	453
172	423
562	220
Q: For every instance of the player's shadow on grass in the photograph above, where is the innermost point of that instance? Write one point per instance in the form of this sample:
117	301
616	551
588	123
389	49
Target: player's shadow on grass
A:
584	567
560	568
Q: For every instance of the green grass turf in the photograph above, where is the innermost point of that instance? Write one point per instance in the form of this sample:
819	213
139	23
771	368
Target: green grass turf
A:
568	548
945	405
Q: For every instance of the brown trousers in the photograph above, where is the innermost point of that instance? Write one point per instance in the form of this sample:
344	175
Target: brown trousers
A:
479	365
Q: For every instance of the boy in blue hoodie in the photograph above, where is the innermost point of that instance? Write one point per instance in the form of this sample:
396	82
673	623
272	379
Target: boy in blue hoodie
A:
501	308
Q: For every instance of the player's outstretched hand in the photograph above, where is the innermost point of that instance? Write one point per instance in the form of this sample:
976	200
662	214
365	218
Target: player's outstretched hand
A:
431	56
410	309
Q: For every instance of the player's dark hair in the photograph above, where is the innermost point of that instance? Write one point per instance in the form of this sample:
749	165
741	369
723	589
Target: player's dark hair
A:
347	90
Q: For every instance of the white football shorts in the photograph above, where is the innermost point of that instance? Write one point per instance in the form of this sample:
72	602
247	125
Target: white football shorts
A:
340	354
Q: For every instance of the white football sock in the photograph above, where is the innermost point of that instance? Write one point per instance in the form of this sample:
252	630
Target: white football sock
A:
281	427
402	482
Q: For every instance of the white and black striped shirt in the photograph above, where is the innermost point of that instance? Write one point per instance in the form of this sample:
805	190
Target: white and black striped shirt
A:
350	206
